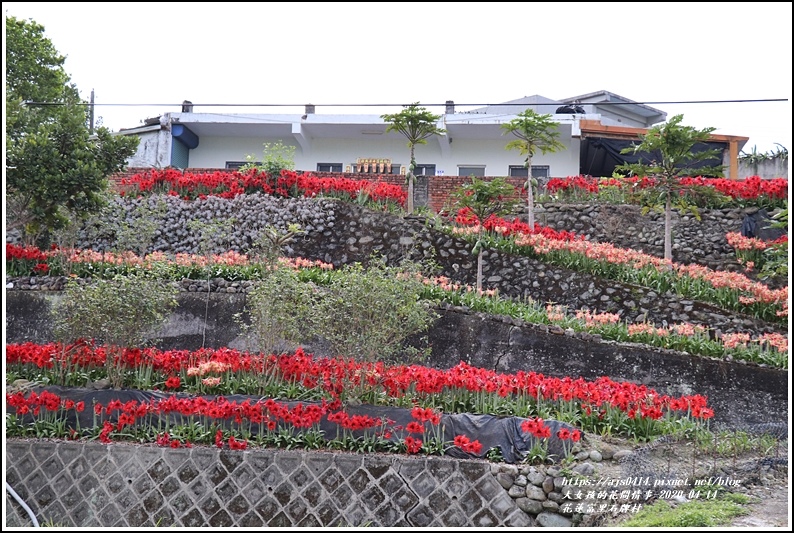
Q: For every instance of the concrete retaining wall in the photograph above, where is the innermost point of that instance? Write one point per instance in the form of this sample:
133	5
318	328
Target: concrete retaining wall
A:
95	485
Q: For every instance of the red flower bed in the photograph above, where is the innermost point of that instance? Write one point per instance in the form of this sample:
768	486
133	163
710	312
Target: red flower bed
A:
337	376
288	184
466	217
752	189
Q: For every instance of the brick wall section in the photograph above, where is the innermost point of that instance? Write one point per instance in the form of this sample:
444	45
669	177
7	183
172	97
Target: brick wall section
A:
438	191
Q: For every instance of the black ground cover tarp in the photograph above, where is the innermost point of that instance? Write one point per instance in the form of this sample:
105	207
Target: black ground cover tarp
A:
504	433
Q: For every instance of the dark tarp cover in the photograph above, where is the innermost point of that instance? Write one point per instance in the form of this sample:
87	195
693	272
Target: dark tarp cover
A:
492	431
599	156
758	225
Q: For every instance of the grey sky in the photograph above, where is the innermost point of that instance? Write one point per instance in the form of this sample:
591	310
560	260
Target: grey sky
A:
396	53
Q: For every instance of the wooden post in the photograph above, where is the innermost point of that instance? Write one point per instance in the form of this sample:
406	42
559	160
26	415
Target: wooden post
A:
734	154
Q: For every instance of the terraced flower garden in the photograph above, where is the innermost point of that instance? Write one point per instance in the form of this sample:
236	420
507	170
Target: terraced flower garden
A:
237	399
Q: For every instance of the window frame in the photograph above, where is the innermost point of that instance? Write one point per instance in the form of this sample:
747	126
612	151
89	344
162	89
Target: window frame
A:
483	167
424	167
235	165
535	168
332	166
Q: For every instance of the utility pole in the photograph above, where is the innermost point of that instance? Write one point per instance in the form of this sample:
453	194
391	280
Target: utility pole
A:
91	114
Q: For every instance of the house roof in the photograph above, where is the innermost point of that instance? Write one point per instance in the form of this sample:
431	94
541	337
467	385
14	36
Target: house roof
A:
610	99
539	103
313	126
594	128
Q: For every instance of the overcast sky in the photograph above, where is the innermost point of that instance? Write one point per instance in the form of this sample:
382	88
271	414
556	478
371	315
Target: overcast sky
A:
399	53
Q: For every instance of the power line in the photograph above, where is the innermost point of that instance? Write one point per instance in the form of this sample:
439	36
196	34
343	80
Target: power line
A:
43	104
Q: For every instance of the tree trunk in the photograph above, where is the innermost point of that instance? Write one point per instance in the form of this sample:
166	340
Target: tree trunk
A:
479	272
668	229
409	203
530	197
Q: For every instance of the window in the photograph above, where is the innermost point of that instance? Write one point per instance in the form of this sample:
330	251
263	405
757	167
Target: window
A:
329	167
520	171
234	165
425	170
180	154
540	171
471	171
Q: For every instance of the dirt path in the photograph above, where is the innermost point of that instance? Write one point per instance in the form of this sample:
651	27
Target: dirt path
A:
767	486
772	511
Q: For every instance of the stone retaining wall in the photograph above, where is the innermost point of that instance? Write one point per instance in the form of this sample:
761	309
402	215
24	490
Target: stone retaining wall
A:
342	233
702	242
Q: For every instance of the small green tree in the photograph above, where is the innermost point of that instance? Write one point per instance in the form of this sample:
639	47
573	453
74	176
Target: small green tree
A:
54	166
276	157
270	243
280	310
417	124
368	313
135	229
122	312
534	132
668	153
485	198
776	256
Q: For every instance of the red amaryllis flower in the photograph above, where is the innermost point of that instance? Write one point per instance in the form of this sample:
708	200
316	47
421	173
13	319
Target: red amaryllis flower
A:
104	435
235	444
576	435
564	434
173	382
415	427
536	427
706	413
425	415
413	445
463	442
460	441
474	447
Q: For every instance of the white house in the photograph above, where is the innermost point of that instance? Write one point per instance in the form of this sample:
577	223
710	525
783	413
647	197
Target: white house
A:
593	128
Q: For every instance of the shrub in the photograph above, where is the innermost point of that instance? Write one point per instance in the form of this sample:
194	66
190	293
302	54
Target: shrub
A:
122	312
365	313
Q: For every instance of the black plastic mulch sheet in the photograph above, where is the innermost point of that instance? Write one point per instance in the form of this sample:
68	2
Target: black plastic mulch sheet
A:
493	432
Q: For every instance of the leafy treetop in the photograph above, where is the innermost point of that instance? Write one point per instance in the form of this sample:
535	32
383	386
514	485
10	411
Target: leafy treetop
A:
55	167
